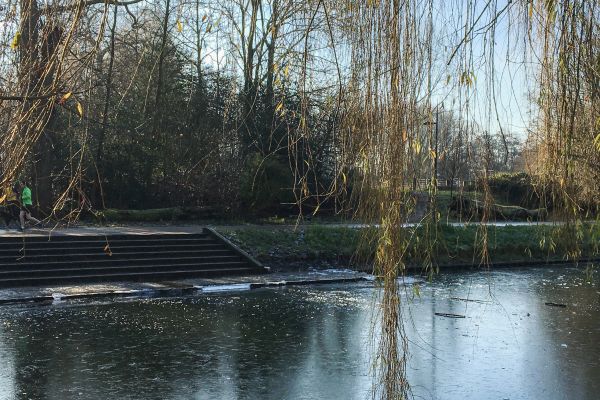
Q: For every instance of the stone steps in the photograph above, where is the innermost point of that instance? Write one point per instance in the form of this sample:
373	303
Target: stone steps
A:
39	260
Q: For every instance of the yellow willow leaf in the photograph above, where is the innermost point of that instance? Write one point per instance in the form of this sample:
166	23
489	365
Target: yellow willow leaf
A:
432	152
16	40
316	209
65	97
597	142
279	107
286	71
416	290
2	199
531	9
404	135
418	147
344	178
80	109
179	26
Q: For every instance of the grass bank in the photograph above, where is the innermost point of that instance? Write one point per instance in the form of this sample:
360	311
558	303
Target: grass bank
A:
450	245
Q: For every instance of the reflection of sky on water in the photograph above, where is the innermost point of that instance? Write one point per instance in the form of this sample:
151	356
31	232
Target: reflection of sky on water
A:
311	343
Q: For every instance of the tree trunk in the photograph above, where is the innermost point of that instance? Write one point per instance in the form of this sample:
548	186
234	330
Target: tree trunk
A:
270	92
98	192
248	128
159	81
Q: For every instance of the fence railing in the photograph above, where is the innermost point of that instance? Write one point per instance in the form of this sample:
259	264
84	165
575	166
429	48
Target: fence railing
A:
445	183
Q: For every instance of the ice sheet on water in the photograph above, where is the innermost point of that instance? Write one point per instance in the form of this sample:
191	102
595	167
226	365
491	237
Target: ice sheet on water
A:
224	288
57	297
405	280
410	280
332	271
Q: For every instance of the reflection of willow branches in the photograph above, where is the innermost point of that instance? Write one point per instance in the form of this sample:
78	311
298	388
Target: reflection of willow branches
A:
390	51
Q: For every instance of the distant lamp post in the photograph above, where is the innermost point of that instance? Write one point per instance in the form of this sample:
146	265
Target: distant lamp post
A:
435	149
435	159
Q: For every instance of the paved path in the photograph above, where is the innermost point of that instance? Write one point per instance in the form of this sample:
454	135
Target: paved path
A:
94	231
179	229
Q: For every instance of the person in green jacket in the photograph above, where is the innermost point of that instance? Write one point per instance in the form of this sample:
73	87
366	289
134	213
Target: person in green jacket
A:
26	205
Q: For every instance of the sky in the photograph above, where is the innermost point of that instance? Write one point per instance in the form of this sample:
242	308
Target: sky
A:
497	98
499	94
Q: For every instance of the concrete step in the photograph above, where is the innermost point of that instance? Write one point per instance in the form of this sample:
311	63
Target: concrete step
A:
126	268
108	261
69	259
100	254
97	241
215	270
114	249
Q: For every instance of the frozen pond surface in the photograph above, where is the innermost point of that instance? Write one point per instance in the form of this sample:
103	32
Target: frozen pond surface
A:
313	342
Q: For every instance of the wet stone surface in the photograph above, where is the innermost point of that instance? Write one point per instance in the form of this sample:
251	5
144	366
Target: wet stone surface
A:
170	287
312	342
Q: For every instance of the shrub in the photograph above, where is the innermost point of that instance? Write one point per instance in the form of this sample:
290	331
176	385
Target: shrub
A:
514	189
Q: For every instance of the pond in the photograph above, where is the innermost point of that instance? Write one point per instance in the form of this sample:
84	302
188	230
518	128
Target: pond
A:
314	342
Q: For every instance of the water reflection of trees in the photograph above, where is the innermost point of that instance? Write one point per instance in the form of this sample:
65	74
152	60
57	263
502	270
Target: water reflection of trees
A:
258	345
577	326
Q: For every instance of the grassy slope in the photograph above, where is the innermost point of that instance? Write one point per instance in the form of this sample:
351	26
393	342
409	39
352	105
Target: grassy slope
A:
455	245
